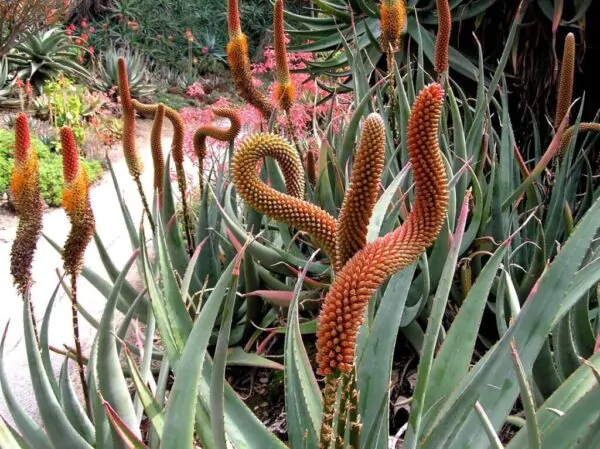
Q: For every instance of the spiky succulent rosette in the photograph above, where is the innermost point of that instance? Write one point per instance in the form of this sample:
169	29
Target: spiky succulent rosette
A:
25	190
361	196
76	203
290	207
344	305
284	89
392	18
239	62
132	157
442	40
565	84
158	158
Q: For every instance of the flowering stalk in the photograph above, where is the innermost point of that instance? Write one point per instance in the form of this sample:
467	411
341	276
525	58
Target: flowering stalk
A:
177	154
442	40
25	190
344	305
284	89
565	85
239	62
158	158
76	203
224	135
565	139
132	157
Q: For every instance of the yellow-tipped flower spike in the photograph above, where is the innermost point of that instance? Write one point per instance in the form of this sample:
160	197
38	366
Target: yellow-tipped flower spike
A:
392	23
134	163
158	158
344	305
361	196
24	186
76	202
565	139
442	40
284	89
239	62
290	208
565	85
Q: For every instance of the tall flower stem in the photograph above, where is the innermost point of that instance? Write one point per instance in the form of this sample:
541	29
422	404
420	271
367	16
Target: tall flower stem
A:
78	351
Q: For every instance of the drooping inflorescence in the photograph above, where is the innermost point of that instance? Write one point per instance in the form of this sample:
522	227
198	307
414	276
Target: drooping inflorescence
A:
566	137
24	187
343	308
442	40
239	62
290	207
361	196
565	85
284	89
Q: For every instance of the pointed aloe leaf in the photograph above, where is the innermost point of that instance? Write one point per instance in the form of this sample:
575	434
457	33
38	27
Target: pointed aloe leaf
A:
129	438
7	439
131	229
72	406
179	418
374	359
30	430
238	357
59	429
434	325
44	346
303	400
111	379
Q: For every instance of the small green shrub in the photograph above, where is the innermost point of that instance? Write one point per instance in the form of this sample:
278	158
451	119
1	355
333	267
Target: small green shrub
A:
50	168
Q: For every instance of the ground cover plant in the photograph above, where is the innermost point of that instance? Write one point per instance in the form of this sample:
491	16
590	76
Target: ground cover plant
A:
337	225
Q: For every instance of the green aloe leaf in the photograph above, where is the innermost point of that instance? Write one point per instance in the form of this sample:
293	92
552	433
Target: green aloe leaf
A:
128	436
7	439
236	356
303	399
72	406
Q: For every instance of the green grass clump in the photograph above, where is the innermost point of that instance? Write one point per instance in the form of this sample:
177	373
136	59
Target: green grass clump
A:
50	167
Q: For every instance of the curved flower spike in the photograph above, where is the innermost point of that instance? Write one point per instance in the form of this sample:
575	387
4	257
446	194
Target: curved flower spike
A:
565	84
158	157
344	305
132	157
284	89
239	62
25	189
583	127
224	135
361	196
290	208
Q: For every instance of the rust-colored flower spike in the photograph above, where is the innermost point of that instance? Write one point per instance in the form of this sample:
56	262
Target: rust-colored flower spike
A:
392	23
284	89
132	157
361	196
290	207
239	62
565	85
344	305
312	169
565	139
24	186
442	40
158	158
176	154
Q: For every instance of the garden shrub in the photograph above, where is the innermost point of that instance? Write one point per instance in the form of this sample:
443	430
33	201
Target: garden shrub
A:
50	168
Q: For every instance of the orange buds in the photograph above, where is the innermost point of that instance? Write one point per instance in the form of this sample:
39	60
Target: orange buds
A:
134	163
565	85
393	24
442	40
284	89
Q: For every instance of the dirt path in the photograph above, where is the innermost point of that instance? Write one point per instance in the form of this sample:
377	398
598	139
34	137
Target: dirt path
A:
111	228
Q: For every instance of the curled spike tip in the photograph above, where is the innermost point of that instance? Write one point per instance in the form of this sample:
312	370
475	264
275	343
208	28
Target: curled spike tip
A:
565	139
565	85
25	189
233	18
344	305
158	158
290	208
361	196
221	134
442	40
393	24
239	64
284	89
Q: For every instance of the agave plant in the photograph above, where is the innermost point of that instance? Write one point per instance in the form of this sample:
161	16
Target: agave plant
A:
43	55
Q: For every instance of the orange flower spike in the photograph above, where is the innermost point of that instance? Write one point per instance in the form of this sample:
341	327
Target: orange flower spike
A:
393	24
76	202
158	157
565	139
25	190
222	134
361	196
442	40
344	305
284	89
134	163
565	85
290	208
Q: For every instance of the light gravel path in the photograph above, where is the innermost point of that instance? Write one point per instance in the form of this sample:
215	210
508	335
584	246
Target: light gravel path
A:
112	230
